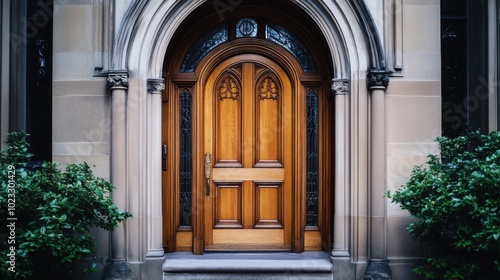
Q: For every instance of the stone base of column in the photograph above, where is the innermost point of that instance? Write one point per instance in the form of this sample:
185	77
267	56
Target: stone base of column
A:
342	267
118	270
378	270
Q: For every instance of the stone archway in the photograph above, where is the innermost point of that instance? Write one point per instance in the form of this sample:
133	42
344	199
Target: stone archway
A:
137	58
197	49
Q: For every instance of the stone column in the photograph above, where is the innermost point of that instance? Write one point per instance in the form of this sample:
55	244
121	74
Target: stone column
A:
155	88
378	268
118	84
340	89
341	258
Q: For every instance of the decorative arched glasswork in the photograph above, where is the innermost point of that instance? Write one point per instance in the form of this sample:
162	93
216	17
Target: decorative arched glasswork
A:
281	36
246	27
312	158
202	46
185	158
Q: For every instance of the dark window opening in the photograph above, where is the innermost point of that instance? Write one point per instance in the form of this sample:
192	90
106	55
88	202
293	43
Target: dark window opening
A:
39	25
464	66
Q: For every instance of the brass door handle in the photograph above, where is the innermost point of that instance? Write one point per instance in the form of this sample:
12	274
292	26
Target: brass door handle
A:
208	167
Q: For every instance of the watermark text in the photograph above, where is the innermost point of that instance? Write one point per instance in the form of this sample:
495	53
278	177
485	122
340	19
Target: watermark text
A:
11	218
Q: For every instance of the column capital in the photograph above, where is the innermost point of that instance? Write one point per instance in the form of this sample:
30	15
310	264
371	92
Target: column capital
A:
377	79
156	86
118	79
340	86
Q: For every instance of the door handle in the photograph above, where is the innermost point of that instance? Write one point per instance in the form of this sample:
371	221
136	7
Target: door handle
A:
208	167
164	153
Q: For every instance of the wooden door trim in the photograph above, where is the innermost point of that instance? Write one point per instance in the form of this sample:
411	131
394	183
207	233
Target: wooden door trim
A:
300	82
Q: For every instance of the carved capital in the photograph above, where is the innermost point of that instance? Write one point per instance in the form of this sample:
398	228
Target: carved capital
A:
118	79
340	86
156	86
377	79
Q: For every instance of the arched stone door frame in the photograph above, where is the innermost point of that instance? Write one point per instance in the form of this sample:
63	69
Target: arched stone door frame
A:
135	81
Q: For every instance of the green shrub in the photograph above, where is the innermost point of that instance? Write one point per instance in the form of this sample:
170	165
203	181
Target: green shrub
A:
456	198
54	211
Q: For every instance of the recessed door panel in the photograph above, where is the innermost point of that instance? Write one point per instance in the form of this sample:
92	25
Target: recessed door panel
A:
268	205
228	205
228	122
269	122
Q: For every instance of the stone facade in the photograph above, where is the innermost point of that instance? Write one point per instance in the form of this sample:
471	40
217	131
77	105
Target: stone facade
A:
108	60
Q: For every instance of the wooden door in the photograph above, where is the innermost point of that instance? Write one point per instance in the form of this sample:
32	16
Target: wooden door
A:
247	121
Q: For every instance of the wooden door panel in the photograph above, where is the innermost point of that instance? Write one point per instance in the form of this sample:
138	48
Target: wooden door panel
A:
268	204
228	152
269	123
248	238
248	174
228	205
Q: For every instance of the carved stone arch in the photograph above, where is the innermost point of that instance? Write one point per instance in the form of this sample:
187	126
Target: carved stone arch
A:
145	30
330	16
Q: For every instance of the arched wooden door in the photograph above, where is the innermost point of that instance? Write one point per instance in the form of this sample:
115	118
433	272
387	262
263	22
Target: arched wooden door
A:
247	120
246	104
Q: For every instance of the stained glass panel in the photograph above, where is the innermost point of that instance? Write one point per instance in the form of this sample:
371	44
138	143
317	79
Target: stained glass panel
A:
312	158
281	36
185	158
246	27
202	46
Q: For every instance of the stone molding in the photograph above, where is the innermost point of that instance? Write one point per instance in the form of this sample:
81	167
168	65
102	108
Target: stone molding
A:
156	86
118	79
378	79
340	87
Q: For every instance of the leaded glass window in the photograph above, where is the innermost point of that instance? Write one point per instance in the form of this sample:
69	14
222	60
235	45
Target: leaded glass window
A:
282	36
312	158
202	46
185	158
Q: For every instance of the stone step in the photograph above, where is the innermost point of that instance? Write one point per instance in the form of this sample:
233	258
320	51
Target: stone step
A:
242	266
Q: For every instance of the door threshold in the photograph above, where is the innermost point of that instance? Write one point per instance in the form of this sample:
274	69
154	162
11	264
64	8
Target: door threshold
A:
249	250
250	262
247	247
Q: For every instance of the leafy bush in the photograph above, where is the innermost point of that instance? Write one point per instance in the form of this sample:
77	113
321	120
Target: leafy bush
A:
457	199
54	211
